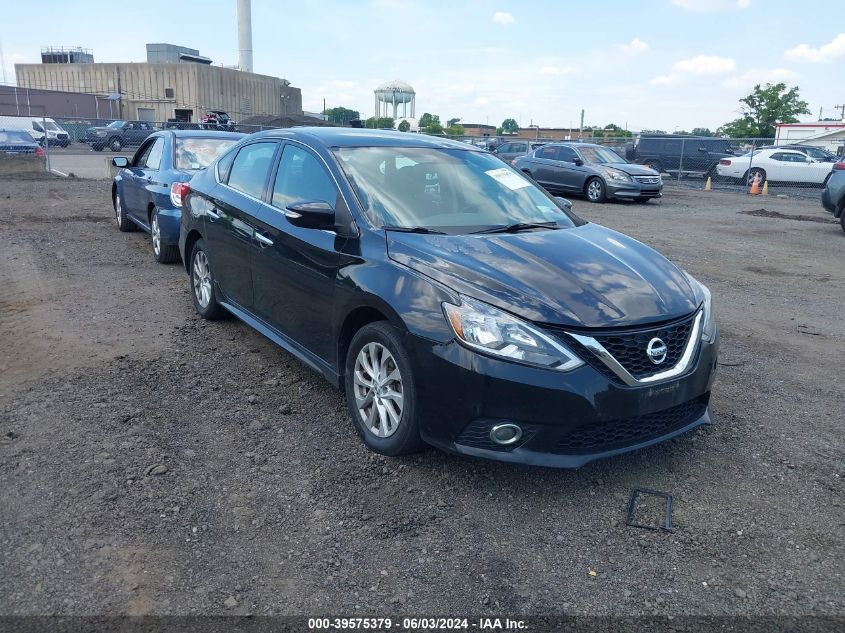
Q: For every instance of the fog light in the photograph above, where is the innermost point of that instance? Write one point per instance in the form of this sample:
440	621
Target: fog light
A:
505	434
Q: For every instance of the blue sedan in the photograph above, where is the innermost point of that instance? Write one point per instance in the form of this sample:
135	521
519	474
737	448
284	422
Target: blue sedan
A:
147	190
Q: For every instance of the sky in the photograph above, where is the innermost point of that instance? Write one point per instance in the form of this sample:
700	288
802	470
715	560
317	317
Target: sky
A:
650	64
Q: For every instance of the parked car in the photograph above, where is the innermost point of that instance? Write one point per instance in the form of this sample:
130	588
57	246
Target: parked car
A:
145	190
511	150
833	195
816	153
775	165
53	134
216	120
118	134
690	154
592	170
18	143
455	302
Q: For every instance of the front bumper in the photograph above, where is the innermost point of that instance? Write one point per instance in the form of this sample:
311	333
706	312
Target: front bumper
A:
621	189
567	419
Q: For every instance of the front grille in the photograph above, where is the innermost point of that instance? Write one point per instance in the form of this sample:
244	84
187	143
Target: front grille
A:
629	348
648	180
477	435
619	433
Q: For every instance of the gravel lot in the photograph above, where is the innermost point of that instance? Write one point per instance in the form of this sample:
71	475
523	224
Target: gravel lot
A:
154	463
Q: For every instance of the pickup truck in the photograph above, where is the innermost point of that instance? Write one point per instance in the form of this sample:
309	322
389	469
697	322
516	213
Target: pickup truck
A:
117	135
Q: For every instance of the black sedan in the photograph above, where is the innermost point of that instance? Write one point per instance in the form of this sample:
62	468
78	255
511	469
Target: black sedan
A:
592	170
455	302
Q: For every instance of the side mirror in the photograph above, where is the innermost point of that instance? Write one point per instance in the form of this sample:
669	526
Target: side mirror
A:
311	214
120	161
563	203
578	162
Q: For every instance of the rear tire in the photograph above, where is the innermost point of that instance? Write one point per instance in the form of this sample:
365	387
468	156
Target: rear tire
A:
380	382
115	145
752	173
123	223
163	253
202	284
595	190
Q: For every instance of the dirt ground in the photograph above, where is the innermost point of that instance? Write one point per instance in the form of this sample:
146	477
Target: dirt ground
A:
154	463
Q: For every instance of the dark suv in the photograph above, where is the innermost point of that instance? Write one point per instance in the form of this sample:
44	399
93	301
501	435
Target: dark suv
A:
453	300
690	154
118	134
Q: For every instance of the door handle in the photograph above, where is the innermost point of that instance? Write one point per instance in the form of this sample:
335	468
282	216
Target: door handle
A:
263	239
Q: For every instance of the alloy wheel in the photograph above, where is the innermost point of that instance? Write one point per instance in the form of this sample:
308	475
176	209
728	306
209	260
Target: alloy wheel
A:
155	232
594	190
202	279
379	395
118	210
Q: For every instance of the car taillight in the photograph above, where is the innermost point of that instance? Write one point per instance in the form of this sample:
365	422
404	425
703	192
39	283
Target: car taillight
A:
513	162
840	166
178	192
724	161
39	151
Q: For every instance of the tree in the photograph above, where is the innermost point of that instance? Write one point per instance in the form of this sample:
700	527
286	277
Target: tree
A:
452	122
404	126
341	115
510	126
455	129
611	130
702	131
763	108
381	123
430	124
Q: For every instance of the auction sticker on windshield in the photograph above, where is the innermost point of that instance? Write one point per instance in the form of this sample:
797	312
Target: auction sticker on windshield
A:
508	178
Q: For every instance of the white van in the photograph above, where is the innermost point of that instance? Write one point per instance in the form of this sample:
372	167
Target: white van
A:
35	126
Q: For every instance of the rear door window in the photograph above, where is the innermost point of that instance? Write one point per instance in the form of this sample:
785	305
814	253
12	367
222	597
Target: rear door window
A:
549	153
250	168
567	154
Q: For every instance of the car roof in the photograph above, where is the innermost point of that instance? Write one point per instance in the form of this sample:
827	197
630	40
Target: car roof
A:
202	134
362	137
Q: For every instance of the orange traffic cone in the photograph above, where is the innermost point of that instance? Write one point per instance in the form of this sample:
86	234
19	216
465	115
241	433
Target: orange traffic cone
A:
755	185
765	188
708	186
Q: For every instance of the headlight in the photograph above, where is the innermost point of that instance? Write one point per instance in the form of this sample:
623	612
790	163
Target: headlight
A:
100	132
708	331
616	174
492	331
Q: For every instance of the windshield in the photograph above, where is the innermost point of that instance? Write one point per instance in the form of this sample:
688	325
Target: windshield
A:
198	153
52	126
449	190
116	124
600	155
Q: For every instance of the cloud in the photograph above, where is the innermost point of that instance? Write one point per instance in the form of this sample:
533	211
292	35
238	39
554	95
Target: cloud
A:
705	65
827	52
556	70
481	101
503	17
761	76
711	6
634	47
699	65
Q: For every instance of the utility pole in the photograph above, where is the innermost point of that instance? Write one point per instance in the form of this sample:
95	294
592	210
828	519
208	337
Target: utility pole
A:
841	109
581	127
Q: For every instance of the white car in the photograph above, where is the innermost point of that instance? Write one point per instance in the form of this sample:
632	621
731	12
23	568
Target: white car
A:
775	165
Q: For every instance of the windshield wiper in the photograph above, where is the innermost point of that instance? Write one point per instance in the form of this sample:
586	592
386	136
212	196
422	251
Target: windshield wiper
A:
413	229
519	226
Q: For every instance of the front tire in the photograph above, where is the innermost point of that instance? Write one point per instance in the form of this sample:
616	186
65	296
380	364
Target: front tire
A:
163	253
381	391
115	145
123	223
595	190
202	284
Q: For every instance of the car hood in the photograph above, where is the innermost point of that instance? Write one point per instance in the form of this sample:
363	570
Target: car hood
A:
631	169
588	276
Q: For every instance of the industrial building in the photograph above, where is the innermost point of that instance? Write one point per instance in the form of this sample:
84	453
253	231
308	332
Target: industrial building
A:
176	82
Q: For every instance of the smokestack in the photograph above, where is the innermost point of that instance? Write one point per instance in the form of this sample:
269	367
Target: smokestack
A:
245	35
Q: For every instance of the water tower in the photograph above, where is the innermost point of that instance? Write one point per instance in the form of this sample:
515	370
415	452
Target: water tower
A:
395	93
